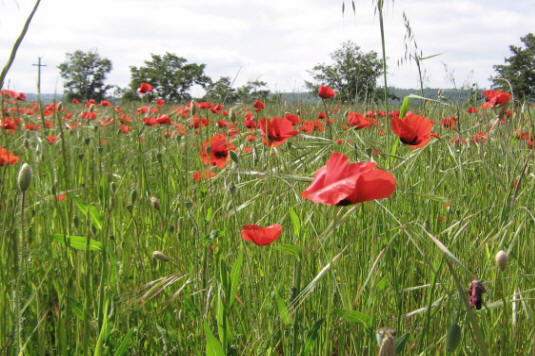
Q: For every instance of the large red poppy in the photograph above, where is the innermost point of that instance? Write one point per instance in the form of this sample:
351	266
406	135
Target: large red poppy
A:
342	183
261	235
413	130
277	130
220	147
326	92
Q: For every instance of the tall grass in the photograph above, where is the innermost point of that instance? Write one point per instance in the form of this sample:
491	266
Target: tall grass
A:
335	276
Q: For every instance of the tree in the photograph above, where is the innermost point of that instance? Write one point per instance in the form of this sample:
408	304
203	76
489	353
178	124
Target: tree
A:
253	90
221	91
170	75
519	70
84	74
353	75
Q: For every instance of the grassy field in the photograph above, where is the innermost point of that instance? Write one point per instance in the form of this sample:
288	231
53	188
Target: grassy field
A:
115	248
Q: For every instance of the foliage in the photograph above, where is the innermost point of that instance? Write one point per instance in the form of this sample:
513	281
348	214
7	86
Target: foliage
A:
171	76
353	74
221	91
253	90
84	74
519	69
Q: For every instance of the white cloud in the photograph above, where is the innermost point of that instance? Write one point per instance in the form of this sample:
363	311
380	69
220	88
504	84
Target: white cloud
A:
275	41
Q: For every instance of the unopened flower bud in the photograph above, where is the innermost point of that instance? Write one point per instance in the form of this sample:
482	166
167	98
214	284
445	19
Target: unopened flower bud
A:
160	256
193	107
25	177
155	203
502	259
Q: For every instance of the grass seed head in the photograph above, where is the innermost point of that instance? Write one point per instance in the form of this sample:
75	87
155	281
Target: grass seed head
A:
160	256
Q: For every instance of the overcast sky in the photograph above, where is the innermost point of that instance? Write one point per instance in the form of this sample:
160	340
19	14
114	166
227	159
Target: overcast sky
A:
272	40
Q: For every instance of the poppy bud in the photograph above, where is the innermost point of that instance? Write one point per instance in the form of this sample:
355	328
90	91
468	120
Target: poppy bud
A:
155	203
25	177
453	338
502	259
386	338
160	256
232	115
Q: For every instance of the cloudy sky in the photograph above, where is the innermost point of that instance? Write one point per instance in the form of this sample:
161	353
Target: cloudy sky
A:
272	40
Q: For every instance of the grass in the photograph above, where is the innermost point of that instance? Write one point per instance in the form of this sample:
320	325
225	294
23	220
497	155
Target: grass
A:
91	285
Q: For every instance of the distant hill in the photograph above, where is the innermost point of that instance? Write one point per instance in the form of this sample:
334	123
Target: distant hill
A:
298	98
431	93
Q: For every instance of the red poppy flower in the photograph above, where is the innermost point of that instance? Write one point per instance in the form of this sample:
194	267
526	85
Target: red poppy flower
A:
358	121
326	92
145	88
413	130
160	102
125	128
472	110
21	97
220	147
261	235
496	97
204	175
52	139
450	123
105	103
164	119
342	183
150	121
294	119
479	137
277	130
75	101
259	105
322	115
7	157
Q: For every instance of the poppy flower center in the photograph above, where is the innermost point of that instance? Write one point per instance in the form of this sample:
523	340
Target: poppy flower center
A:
414	141
344	202
220	154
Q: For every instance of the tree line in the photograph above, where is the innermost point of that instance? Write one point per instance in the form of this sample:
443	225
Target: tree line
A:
352	72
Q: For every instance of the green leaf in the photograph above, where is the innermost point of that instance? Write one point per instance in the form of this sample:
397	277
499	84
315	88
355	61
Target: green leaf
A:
283	311
235	278
81	205
355	316
289	249
209	213
404	107
213	347
103	335
296	222
95	217
312	336
401	342
77	308
78	242
127	341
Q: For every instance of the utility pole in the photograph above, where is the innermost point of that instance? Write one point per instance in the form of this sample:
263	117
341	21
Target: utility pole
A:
39	66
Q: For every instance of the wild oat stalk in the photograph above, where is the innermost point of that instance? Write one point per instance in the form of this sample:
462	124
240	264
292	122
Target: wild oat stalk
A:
17	44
